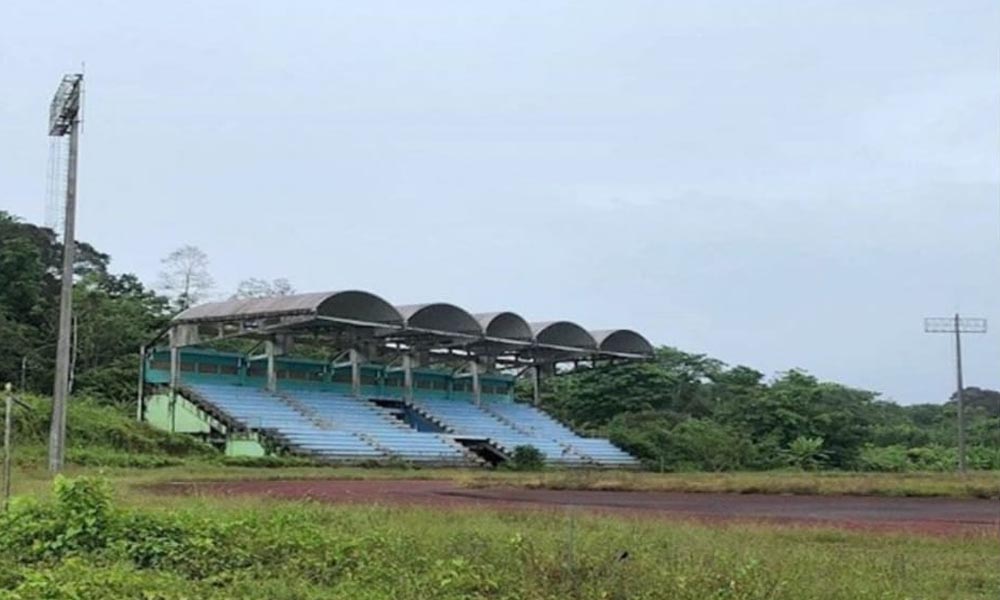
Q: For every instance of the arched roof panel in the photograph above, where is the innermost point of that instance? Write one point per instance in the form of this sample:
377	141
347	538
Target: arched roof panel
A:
507	325
440	316
363	306
622	340
351	304
563	333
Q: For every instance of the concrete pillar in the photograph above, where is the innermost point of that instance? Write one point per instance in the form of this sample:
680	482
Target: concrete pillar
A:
536	385
408	377
272	372
175	375
355	372
477	390
142	384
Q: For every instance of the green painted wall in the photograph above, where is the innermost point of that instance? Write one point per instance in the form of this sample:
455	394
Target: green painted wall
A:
244	447
189	418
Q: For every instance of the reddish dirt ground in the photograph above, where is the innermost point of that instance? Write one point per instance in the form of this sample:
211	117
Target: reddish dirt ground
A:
920	515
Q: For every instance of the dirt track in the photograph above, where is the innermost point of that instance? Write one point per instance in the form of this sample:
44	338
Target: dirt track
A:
925	515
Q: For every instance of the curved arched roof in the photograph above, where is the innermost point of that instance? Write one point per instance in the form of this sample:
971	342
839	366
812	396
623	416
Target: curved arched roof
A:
563	333
622	340
440	316
506	325
360	308
350	304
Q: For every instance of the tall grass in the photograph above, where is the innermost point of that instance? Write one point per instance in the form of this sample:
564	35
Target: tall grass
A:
83	546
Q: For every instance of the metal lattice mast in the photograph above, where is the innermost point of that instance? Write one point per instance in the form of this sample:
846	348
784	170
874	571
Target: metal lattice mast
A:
64	119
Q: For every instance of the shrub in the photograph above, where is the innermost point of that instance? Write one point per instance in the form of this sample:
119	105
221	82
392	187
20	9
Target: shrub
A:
526	458
889	458
805	453
79	521
665	443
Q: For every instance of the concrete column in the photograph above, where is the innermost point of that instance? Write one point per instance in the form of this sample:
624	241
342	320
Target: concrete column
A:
536	385
175	376
142	383
355	372
408	377
477	390
272	372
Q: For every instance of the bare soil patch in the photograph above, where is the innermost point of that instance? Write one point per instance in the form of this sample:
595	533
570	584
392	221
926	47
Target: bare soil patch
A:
918	515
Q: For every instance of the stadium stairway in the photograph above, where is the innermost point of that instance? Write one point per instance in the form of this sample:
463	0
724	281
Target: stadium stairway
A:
258	410
329	426
342	412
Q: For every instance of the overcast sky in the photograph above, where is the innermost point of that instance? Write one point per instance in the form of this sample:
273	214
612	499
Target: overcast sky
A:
775	183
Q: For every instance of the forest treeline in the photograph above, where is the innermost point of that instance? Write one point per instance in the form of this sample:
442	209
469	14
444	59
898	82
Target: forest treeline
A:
680	411
684	411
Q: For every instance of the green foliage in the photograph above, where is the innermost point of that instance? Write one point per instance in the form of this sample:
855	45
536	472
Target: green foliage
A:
526	458
665	443
806	453
892	459
683	412
105	436
81	546
115	314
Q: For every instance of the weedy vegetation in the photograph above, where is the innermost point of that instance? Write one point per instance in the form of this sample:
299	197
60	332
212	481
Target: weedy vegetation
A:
84	543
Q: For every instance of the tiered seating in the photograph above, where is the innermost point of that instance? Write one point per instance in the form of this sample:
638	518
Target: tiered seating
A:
465	418
537	422
345	413
260	410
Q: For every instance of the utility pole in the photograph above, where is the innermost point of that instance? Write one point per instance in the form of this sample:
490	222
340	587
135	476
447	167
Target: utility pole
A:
957	325
8	427
64	119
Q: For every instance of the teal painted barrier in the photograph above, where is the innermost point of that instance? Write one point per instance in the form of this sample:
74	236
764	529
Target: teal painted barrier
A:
203	365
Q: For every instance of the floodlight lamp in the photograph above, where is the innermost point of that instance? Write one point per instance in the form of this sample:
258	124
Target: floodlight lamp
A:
65	105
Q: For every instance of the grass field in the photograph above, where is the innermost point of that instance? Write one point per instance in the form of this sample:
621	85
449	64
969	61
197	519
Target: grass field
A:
78	545
973	485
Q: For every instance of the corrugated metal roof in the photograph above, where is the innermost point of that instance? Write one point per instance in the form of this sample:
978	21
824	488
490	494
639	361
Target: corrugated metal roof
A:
440	316
563	333
505	324
356	305
348	304
621	340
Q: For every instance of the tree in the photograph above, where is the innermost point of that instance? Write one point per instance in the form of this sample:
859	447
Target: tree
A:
262	288
115	315
185	276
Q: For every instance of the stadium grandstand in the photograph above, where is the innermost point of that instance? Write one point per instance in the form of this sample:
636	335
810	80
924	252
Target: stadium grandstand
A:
347	377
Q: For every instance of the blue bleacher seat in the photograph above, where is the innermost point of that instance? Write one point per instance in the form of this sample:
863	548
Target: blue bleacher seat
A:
260	410
465	418
346	413
540	424
340	427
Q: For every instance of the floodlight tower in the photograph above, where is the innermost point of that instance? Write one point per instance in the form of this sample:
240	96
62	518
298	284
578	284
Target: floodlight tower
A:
64	119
